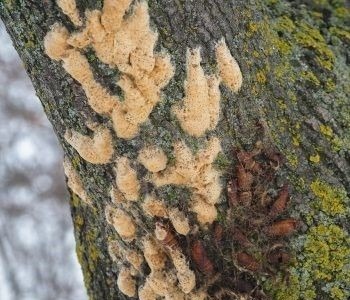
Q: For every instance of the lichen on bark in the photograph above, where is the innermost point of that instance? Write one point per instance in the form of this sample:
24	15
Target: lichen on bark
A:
294	57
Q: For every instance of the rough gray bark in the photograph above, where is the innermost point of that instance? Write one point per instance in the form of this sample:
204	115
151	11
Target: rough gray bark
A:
294	57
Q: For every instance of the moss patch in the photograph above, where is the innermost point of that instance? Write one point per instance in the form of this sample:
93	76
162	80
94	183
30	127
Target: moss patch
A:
310	37
330	199
324	267
315	158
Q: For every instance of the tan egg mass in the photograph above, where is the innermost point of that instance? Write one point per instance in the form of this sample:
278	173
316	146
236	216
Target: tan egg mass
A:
126	283
154	207
117	196
229	69
153	158
179	221
198	173
74	181
97	149
123	41
163	283
206	213
55	42
186	277
69	8
127	181
200	109
121	222
134	258
146	292
154	255
114	250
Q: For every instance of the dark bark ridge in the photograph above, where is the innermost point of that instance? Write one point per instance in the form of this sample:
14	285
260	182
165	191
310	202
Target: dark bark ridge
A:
295	65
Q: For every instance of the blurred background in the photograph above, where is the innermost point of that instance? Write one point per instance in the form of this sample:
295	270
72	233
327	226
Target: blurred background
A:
37	248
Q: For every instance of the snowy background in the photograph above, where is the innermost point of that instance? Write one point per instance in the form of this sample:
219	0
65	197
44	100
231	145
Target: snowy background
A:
37	255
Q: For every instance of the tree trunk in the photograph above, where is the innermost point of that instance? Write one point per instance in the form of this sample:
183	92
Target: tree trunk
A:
289	125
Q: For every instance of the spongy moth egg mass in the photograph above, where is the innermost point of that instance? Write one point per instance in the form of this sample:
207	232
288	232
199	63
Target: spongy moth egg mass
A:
69	8
123	41
97	149
121	37
122	222
126	283
74	181
229	69
127	181
153	158
197	172
200	108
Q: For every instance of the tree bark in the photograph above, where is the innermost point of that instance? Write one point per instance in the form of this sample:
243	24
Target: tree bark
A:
294	57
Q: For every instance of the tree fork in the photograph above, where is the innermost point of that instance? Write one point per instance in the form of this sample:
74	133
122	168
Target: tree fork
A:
279	154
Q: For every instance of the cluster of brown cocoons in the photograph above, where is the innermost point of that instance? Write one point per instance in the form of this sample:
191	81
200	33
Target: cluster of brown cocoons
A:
124	40
256	211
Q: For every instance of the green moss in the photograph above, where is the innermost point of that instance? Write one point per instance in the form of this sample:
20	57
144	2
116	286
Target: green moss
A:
326	130
342	12
284	70
330	199
284	24
261	77
271	2
295	132
329	85
256	54
281	291
311	38
79	221
29	44
341	33
326	253
315	158
222	162
76	161
323	264
338	144
79	249
91	251
310	77
252	28
284	47
282	105
9	3
75	200
337	293
292	159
